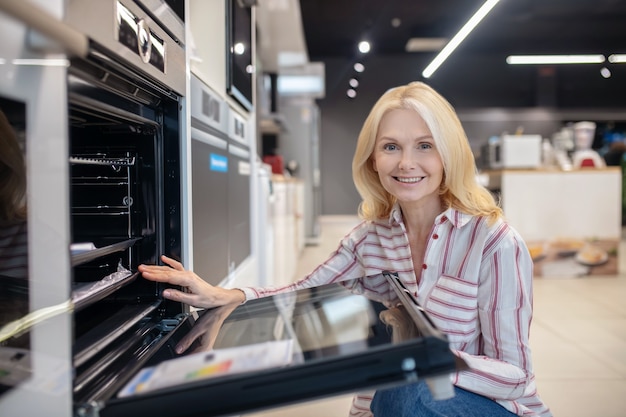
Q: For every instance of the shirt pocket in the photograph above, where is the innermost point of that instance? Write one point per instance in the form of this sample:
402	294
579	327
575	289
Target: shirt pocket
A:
453	307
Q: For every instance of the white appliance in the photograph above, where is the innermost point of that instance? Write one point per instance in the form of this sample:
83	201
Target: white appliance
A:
515	151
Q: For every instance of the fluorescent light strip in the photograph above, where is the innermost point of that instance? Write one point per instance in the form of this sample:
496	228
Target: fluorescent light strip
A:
47	62
554	59
458	38
617	59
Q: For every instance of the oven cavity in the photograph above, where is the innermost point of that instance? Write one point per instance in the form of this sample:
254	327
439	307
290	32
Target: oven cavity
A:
124	169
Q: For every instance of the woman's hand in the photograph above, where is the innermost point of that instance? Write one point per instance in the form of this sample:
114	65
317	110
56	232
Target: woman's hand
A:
198	292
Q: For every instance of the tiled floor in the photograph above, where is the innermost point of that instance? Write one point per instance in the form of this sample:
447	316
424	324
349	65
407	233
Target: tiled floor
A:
578	339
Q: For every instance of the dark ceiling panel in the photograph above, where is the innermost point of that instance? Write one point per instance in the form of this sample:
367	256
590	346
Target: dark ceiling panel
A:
476	74
334	27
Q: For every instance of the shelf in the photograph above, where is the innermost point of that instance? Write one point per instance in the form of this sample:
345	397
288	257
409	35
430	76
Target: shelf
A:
93	254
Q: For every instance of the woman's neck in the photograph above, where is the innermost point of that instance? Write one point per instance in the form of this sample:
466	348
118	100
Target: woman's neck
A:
419	219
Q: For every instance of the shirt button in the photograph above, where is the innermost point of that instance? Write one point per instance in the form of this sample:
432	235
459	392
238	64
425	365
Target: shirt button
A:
443	219
424	266
435	236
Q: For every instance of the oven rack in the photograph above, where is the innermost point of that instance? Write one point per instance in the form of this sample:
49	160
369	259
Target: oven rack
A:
103	160
117	367
102	210
99	181
93	254
83	296
97	339
91	373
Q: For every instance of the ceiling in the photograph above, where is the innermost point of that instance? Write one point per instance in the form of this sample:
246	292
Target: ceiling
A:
333	28
328	31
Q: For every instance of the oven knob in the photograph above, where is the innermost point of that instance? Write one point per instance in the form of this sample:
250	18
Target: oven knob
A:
143	41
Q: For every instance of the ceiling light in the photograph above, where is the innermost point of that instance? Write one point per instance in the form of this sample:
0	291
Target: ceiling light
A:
554	59
459	37
351	93
354	83
358	67
605	72
425	44
48	62
364	47
617	58
239	48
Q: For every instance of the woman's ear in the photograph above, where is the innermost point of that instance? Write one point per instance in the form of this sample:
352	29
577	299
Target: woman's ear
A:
374	165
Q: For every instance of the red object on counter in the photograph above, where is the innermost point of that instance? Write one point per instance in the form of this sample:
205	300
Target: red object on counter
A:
276	162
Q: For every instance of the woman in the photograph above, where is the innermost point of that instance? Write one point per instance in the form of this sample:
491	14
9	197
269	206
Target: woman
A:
426	218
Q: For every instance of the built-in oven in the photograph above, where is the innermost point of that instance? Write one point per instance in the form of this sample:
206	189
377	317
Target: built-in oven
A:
103	131
125	210
125	104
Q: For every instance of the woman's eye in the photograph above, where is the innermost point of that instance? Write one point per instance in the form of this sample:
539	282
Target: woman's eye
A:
389	147
425	146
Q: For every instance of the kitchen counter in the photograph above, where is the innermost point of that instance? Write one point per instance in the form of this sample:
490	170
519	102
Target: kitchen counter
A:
564	214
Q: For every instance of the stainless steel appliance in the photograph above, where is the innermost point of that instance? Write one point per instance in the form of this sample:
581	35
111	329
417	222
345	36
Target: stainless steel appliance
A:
103	85
125	136
513	151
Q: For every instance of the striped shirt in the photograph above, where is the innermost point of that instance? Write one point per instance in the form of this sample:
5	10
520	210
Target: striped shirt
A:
476	285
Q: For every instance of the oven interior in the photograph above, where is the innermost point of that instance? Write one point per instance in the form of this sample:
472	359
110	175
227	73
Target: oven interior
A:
125	194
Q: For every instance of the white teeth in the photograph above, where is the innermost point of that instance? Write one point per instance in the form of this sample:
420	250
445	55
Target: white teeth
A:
408	180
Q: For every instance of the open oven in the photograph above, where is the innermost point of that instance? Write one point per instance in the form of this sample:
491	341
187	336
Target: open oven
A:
125	210
125	108
112	179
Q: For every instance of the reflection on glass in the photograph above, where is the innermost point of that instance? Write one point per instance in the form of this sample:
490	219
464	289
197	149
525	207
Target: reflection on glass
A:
14	350
283	330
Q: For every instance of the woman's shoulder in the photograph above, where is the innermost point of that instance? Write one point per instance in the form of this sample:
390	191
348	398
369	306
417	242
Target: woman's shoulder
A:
373	229
495	227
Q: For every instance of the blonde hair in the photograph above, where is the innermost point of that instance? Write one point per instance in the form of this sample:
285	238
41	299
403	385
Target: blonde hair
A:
12	174
459	189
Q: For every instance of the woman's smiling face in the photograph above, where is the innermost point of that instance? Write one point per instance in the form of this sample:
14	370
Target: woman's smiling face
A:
405	157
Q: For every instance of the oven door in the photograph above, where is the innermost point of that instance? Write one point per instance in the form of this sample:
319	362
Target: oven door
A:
297	346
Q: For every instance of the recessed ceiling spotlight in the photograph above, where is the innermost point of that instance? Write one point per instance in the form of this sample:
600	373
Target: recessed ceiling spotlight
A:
364	47
351	93
358	67
605	72
396	22
239	48
354	83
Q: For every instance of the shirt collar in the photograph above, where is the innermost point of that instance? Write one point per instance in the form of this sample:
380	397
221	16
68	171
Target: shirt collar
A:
457	218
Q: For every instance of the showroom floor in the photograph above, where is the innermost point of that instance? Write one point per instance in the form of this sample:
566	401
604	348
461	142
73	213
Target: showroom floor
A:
578	339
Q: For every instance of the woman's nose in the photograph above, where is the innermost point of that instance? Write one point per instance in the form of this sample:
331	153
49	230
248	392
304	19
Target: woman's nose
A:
407	161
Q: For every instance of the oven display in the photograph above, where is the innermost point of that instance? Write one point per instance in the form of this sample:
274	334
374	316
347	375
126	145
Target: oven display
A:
135	34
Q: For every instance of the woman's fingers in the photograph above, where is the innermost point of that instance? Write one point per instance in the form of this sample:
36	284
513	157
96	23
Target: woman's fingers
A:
164	274
173	263
176	295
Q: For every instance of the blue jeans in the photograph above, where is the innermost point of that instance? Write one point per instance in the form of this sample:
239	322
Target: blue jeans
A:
415	400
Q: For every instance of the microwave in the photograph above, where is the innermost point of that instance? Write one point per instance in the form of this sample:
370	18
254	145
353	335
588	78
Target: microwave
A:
514	151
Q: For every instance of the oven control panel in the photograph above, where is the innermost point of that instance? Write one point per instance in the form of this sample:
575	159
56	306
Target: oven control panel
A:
135	34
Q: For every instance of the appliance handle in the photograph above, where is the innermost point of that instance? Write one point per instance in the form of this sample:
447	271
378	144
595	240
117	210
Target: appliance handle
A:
72	41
